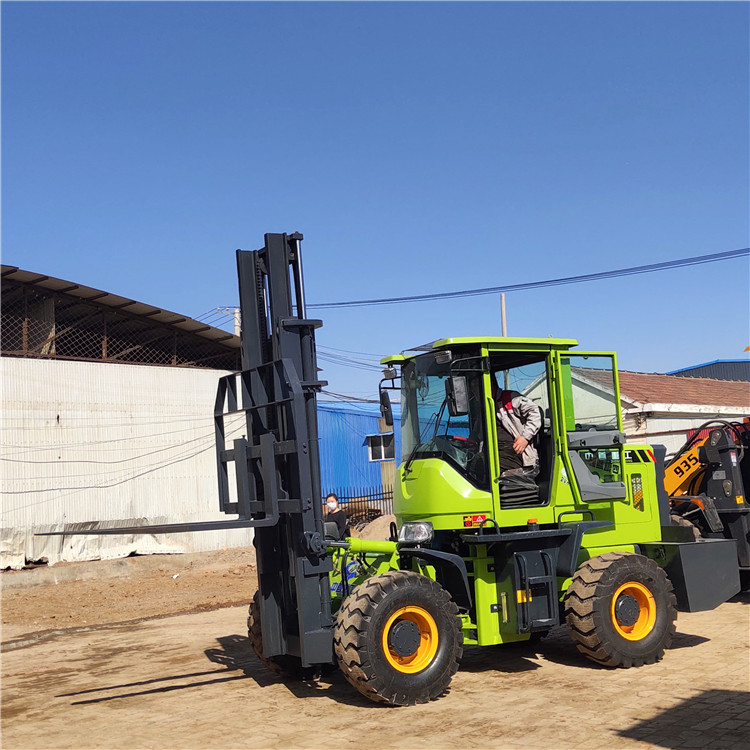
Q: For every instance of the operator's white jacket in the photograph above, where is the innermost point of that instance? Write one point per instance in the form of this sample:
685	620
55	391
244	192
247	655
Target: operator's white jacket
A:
520	416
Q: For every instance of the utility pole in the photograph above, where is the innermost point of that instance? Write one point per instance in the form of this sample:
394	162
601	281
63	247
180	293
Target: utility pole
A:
235	313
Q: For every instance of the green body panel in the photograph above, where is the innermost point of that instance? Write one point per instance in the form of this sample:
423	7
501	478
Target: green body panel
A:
633	522
565	396
434	491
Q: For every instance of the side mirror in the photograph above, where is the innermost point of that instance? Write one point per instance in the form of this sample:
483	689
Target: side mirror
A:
457	396
385	407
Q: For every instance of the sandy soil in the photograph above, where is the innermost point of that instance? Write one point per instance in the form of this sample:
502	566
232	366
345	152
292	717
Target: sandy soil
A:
192	682
210	581
140	662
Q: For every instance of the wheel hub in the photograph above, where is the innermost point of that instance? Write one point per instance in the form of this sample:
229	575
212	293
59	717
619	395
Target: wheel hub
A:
404	638
627	610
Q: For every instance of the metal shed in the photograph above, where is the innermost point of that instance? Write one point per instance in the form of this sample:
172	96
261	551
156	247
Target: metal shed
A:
719	369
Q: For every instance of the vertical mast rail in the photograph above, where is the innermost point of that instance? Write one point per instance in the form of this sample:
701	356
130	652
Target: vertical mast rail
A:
277	461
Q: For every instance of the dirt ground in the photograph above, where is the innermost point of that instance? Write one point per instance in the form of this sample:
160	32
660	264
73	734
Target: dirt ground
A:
138	662
153	586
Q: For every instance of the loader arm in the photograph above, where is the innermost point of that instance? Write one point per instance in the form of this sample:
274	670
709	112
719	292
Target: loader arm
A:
684	470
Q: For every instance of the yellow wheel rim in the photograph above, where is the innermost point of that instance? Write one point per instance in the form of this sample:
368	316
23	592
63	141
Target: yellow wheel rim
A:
646	611
428	640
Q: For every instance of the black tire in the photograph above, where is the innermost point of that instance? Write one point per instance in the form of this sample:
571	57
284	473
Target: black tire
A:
398	638
682	521
285	666
642	626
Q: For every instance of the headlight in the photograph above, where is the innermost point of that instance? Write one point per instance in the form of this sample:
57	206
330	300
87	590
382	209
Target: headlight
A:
417	532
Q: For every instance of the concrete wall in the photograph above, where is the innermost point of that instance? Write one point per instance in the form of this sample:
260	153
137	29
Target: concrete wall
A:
88	443
669	424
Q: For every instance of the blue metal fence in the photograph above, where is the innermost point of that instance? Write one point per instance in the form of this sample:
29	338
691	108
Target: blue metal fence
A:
364	504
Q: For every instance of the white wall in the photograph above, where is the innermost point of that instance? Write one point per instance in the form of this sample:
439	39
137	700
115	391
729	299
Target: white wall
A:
668	424
91	442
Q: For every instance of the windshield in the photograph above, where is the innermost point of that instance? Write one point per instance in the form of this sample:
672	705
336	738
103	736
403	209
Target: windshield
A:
427	428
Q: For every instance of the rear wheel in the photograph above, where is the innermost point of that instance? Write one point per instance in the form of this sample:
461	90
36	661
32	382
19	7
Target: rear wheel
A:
398	638
621	610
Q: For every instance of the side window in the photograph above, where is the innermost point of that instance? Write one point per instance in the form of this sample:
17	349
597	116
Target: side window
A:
381	447
591	402
591	421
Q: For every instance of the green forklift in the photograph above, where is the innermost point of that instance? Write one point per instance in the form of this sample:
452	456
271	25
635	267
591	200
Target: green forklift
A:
478	556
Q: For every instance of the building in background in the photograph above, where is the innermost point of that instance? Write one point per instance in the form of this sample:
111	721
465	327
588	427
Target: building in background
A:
358	457
108	419
719	369
667	409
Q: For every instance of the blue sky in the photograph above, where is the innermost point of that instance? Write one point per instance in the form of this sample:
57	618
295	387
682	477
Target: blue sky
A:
420	148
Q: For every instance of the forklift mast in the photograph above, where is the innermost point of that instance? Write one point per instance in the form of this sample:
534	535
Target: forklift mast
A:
276	461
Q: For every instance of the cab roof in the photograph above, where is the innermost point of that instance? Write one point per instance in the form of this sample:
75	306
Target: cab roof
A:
496	343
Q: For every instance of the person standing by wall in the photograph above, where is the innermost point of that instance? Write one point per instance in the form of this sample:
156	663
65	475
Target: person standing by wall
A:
336	514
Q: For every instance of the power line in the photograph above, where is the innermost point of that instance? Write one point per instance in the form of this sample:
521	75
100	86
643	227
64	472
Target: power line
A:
349	351
160	449
348	399
147	469
633	270
347	362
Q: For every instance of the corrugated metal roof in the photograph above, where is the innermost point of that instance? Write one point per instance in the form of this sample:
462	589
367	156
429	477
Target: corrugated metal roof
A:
720	369
706	364
115	302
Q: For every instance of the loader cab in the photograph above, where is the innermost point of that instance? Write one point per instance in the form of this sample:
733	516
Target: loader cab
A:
450	471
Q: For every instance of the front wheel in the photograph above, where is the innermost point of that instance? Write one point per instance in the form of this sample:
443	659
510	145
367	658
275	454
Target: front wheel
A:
621	610
398	638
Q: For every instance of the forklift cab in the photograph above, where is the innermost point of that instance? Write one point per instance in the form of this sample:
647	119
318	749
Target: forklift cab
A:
449	414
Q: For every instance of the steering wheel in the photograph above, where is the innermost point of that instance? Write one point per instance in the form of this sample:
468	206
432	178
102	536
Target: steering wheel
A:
460	441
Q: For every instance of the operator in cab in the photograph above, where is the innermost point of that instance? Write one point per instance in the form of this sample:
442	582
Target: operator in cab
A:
519	420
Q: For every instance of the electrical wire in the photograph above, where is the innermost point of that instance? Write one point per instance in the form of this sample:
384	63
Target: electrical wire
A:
377	357
345	398
116	461
23	449
349	363
633	270
206	314
148	470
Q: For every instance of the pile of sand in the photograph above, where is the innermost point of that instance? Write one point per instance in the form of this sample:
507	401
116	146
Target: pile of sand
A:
377	530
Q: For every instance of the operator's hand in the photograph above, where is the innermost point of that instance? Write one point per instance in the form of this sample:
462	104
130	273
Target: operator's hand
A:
519	444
